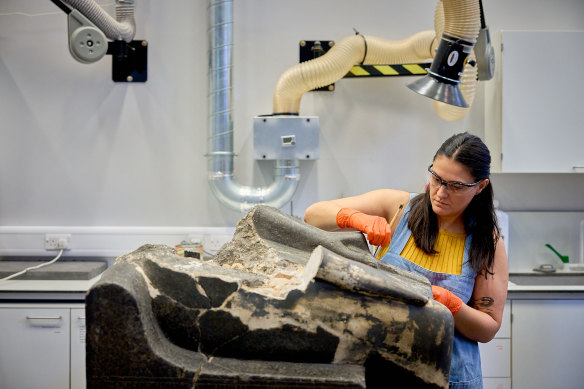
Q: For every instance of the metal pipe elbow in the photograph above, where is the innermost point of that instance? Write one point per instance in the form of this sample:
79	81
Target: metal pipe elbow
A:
242	198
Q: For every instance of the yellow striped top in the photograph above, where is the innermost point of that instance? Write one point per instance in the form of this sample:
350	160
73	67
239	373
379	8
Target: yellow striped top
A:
450	248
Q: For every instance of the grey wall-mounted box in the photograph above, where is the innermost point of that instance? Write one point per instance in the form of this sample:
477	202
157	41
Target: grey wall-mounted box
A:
286	137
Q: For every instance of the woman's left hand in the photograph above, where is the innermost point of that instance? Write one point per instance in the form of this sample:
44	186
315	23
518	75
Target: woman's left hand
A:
447	298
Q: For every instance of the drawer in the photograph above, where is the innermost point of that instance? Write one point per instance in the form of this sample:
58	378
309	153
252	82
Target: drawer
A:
496	358
496	383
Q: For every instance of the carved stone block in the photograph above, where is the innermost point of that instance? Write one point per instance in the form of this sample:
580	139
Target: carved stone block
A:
284	304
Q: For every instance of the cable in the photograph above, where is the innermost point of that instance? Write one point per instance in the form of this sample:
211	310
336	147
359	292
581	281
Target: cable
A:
63	7
33	267
483	23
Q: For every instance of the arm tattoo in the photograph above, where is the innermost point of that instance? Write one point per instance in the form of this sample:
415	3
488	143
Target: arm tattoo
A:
483	303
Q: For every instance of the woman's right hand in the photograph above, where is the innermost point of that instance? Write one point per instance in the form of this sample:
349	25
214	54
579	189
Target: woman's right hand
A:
376	227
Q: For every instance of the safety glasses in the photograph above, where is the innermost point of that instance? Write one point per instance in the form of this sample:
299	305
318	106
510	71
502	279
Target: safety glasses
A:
451	186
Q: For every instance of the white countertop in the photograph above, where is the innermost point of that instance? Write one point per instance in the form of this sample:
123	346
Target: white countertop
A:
563	282
46	289
63	288
48	285
544	288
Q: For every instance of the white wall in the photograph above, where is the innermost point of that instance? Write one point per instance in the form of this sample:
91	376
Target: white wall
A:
80	150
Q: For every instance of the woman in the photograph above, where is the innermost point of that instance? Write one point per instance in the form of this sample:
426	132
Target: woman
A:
449	234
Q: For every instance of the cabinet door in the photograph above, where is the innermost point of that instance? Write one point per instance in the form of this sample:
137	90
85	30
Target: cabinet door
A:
496	383
547	346
496	354
542	130
496	358
34	348
78	348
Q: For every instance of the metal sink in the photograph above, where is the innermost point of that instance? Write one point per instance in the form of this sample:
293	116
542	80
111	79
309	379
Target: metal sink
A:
547	279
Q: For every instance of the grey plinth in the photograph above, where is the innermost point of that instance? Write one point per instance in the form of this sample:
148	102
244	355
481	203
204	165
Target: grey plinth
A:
283	304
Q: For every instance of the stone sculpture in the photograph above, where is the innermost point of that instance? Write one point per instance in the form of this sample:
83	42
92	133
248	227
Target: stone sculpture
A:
283	304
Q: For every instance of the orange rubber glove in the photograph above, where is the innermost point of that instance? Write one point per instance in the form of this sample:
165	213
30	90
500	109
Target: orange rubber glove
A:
446	297
376	227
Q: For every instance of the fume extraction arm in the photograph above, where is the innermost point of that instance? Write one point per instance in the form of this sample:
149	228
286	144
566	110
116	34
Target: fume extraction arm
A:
90	29
453	74
457	24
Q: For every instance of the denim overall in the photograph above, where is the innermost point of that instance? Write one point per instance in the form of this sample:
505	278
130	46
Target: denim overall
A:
465	368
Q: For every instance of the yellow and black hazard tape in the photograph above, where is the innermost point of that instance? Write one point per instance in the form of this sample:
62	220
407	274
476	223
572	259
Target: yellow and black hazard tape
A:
413	69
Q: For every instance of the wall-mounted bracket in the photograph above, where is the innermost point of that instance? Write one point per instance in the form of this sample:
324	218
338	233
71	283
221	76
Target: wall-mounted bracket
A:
87	43
412	69
314	49
129	60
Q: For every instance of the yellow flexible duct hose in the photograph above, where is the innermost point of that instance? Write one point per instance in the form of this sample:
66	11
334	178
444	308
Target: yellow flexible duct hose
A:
456	18
439	19
462	19
467	87
417	47
325	70
469	77
337	62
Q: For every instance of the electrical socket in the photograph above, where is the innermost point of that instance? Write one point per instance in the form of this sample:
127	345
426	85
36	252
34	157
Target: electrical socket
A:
57	241
215	242
194	239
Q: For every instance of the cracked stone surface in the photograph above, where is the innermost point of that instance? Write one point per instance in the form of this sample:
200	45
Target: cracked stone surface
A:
282	304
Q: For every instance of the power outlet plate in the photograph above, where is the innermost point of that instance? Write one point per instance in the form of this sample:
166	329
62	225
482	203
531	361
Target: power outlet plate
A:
214	242
57	241
195	239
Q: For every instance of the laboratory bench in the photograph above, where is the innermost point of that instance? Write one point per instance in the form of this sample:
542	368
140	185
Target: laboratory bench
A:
540	340
516	291
43	339
45	290
42	342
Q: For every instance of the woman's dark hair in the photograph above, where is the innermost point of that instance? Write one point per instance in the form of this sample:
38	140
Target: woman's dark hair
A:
479	217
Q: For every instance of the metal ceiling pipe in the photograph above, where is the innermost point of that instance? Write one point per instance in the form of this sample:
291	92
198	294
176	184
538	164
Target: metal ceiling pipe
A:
121	28
220	155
